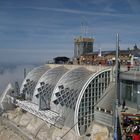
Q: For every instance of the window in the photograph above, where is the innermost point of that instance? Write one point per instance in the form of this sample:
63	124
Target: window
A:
39	89
57	94
37	96
42	83
128	91
27	80
135	93
56	102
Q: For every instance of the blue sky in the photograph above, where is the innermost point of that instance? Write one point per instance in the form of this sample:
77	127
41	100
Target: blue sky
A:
39	30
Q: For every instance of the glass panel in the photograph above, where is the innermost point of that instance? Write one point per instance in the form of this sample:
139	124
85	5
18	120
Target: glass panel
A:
135	93
128	92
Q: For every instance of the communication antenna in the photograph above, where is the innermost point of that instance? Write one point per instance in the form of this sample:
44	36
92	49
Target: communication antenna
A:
82	31
84	27
24	73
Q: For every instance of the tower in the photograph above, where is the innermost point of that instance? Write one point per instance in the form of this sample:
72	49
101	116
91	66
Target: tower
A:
83	45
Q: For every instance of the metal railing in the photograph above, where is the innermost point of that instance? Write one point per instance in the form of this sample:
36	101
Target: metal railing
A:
135	68
47	115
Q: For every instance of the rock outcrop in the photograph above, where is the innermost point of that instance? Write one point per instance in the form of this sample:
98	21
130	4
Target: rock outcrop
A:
36	129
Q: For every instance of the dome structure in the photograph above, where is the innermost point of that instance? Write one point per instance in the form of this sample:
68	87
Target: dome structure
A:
66	93
30	81
89	96
71	91
45	86
76	94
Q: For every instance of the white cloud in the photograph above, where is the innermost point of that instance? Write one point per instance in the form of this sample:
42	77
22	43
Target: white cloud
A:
106	10
12	76
51	27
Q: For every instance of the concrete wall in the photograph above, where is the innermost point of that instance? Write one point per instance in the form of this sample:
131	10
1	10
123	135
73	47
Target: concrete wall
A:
103	118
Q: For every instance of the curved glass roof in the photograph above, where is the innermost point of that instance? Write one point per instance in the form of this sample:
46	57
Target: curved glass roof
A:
31	80
46	84
94	90
68	88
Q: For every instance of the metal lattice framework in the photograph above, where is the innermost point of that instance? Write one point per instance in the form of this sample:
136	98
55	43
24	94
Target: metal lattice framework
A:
45	86
30	81
48	115
70	92
66	92
89	97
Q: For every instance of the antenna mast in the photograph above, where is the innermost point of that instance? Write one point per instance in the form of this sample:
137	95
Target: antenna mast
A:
117	67
84	28
24	73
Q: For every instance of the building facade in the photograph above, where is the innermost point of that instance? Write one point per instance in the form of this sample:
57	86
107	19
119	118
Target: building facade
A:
130	87
106	58
72	91
83	45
